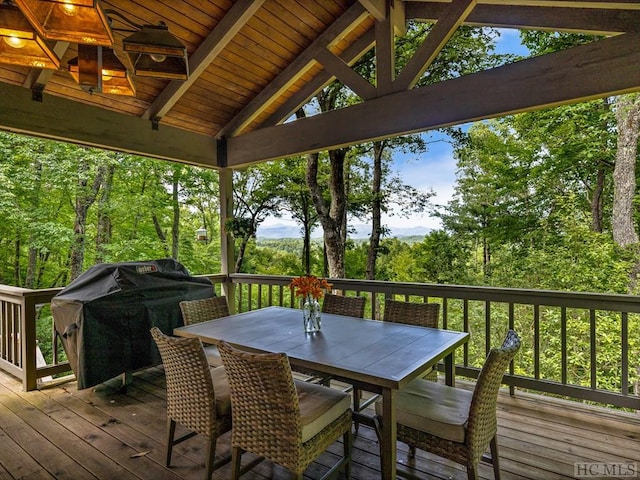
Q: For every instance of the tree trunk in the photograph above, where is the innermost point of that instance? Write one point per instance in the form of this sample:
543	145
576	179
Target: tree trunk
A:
376	211
32	259
16	262
103	233
175	227
332	216
84	199
624	173
597	202
160	233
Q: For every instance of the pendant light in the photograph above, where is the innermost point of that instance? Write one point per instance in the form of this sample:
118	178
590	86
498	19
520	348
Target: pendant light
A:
155	52
20	43
75	21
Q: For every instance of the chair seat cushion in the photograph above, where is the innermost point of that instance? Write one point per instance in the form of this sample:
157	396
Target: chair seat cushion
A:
433	408
319	406
222	392
213	356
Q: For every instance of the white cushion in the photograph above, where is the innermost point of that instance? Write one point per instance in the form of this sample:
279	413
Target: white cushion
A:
319	406
433	408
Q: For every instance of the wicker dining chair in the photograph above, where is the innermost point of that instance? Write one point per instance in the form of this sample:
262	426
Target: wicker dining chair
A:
197	396
397	311
340	305
196	311
412	313
454	423
285	421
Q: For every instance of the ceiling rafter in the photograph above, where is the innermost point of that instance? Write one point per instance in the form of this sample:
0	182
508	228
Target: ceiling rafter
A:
239	14
347	75
353	16
385	56
437	38
324	78
555	18
430	107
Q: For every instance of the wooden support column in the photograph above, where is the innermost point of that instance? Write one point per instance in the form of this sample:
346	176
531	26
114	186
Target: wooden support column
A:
227	245
385	55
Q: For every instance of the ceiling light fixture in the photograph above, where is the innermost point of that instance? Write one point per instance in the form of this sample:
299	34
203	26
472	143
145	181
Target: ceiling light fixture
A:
98	70
152	50
155	52
20	43
75	21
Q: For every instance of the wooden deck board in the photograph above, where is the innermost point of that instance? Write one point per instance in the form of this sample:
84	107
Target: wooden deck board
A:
110	432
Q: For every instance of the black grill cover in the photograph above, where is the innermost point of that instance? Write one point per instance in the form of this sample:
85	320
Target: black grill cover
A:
104	316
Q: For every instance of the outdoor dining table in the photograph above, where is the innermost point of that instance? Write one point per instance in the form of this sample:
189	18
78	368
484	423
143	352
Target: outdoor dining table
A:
380	357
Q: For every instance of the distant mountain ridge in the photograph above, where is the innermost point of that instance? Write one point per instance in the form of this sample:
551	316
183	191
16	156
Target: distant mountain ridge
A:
280	231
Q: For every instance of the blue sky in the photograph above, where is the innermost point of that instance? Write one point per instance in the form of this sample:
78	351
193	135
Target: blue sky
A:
433	170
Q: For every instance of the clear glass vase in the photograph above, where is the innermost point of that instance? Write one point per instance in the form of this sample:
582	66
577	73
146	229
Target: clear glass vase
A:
311	314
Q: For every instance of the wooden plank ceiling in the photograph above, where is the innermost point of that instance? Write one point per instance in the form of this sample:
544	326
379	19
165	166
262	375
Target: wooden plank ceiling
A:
254	62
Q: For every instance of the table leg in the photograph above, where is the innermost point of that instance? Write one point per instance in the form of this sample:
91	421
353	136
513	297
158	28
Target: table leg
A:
389	434
450	369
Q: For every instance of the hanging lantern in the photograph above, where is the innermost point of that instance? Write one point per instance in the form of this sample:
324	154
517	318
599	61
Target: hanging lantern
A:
75	21
155	52
20	43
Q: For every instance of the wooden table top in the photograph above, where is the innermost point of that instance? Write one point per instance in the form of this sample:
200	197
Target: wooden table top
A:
371	352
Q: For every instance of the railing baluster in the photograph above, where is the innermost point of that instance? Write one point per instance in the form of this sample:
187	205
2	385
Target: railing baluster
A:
445	316
624	339
487	327
536	341
465	321
563	343
592	333
512	389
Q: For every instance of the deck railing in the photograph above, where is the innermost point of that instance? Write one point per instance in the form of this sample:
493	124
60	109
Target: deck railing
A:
579	345
583	346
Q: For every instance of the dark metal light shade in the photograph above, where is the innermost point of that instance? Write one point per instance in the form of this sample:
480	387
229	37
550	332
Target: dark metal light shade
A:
155	52
75	21
98	69
20	44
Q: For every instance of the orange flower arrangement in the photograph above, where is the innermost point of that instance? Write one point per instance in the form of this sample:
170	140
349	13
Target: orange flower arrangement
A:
309	285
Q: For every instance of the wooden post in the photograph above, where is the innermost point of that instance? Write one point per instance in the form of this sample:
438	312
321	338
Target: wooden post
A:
227	255
28	344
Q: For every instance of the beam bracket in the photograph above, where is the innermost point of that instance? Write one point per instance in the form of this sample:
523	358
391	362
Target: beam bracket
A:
36	92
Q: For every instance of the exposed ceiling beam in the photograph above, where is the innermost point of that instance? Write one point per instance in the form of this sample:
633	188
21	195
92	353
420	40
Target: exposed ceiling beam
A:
599	4
209	49
377	8
321	80
347	75
604	22
602	68
58	118
385	56
437	38
353	16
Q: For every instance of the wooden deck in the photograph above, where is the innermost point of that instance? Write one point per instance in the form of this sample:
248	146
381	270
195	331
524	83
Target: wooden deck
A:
111	433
